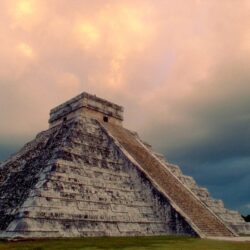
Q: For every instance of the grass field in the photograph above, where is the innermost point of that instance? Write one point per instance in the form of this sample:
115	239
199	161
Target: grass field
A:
126	243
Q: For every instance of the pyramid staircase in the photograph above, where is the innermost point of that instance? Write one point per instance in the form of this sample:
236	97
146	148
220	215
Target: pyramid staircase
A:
200	217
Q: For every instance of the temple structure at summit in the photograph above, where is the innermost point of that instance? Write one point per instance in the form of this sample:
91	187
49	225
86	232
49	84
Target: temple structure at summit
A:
87	175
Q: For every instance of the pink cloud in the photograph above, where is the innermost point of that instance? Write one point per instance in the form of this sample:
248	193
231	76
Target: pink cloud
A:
158	56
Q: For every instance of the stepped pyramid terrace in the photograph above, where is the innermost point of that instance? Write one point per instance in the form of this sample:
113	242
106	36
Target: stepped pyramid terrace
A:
87	175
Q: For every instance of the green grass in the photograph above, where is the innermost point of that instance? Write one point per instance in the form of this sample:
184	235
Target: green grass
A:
126	243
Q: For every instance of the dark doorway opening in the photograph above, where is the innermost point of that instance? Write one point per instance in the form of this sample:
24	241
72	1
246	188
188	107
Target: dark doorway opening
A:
105	119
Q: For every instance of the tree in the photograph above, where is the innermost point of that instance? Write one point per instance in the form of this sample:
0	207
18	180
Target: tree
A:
246	218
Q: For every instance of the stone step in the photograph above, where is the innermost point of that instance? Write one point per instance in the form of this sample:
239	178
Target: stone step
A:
232	218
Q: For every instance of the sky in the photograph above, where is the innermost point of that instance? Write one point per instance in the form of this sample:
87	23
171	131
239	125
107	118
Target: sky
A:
180	68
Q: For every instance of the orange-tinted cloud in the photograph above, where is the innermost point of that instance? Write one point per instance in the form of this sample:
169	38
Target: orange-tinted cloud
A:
148	54
25	50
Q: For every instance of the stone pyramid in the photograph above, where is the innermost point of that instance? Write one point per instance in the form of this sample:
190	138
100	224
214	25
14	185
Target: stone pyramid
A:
89	176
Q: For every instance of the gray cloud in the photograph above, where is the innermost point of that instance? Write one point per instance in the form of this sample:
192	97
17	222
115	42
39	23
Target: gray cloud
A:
210	138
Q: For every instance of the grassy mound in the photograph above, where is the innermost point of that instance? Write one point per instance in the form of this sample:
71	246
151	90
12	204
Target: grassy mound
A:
126	243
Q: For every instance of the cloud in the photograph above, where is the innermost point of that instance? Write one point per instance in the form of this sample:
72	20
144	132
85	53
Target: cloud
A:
215	120
180	68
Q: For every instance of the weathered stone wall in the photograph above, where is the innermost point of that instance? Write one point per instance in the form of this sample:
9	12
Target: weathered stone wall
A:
88	105
83	185
83	111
